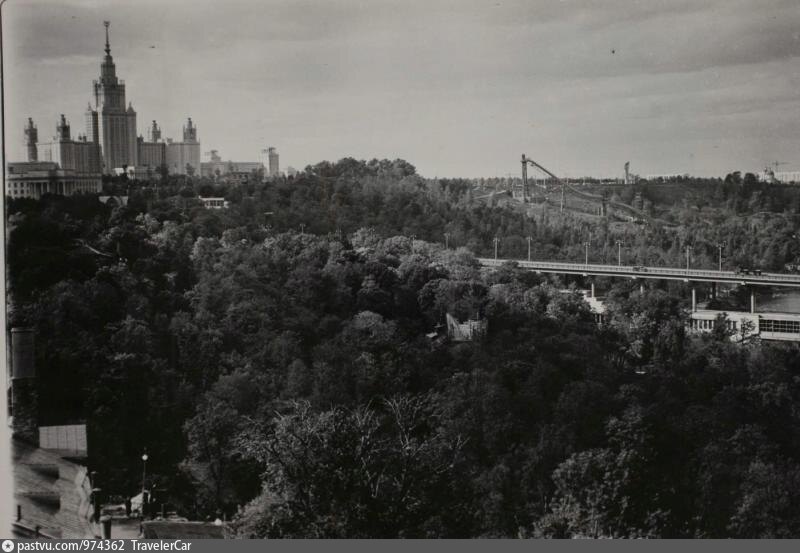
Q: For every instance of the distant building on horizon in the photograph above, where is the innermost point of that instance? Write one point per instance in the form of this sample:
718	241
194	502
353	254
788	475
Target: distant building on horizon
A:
274	165
667	176
237	172
783	177
787	177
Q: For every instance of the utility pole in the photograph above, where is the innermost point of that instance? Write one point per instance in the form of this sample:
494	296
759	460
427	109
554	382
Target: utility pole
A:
720	245
619	253
496	242
688	252
529	248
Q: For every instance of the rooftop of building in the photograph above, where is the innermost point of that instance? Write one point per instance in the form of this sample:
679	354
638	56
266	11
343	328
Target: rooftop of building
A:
29	166
53	493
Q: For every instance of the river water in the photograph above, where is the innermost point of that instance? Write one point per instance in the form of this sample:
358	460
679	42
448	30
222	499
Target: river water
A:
784	302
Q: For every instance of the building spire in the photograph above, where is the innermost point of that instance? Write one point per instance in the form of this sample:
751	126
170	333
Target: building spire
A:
108	46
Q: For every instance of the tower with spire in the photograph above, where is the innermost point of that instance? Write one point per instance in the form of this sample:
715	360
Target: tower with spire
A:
111	122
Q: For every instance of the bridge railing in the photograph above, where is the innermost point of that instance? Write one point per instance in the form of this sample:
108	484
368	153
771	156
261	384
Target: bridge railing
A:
636	270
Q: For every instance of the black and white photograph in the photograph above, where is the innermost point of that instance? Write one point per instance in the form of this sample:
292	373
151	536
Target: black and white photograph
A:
421	269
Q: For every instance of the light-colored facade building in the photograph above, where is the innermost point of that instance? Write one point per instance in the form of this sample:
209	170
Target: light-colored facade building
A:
788	177
80	156
214	203
237	172
182	155
33	179
784	177
152	154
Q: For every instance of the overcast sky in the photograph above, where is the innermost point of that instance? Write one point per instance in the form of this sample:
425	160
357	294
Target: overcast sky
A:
457	88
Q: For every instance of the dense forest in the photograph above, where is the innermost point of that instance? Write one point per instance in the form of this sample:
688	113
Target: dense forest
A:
283	361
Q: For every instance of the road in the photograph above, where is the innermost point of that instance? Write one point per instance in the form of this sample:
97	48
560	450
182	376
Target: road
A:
657	273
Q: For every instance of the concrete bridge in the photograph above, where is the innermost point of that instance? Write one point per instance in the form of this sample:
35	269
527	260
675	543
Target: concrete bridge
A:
657	273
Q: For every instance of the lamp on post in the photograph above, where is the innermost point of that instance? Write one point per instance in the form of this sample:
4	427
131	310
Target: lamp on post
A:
720	245
496	242
145	457
619	253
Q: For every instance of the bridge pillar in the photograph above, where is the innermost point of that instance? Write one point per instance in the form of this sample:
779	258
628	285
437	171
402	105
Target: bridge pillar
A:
713	290
694	299
752	300
593	289
641	288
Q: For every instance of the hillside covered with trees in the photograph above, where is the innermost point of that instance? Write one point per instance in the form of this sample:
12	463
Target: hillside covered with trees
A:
283	363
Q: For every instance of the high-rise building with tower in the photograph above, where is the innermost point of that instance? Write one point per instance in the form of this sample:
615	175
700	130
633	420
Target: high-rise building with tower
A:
152	152
183	158
60	166
68	166
110	121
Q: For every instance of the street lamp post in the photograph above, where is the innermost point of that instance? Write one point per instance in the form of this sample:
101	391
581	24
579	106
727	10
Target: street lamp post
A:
496	242
529	248
720	245
619	253
144	468
144	478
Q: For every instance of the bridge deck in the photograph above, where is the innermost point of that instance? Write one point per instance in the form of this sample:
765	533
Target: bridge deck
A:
659	273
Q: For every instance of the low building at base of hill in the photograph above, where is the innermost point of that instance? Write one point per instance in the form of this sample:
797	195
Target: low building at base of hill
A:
214	203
